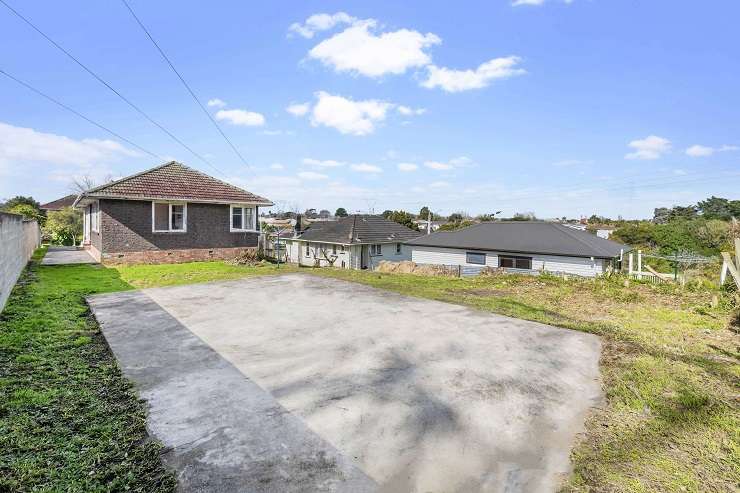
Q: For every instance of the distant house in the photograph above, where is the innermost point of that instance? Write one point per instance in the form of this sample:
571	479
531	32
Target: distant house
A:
170	213
423	224
358	241
59	204
525	246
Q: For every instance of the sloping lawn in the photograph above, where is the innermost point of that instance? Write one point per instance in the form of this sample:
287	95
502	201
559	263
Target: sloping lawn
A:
69	420
670	371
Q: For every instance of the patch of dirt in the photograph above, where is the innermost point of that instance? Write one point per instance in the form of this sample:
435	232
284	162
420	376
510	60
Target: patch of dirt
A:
481	292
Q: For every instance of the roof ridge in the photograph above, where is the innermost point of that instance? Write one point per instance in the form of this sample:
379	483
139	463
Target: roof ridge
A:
115	182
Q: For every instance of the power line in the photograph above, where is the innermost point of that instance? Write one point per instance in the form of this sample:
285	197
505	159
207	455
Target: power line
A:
55	101
106	84
187	86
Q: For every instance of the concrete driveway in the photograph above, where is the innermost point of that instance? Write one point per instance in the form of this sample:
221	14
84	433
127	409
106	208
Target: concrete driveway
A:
60	255
300	383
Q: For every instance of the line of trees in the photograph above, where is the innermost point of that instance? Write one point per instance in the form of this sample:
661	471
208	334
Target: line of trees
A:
62	227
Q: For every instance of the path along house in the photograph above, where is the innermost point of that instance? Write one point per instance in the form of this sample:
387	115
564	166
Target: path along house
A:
170	213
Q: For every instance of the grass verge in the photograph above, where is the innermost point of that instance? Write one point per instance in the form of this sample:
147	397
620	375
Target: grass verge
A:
69	420
669	367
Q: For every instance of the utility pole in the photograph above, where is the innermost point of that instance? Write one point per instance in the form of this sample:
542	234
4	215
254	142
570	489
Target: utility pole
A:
429	222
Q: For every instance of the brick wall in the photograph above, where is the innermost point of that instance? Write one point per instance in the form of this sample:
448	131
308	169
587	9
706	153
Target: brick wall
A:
126	227
172	256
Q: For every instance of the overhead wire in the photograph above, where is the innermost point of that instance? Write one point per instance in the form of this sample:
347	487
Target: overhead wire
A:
110	87
184	83
72	110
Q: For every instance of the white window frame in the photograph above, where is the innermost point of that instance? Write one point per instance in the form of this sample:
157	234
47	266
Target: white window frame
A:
169	216
399	249
243	207
95	217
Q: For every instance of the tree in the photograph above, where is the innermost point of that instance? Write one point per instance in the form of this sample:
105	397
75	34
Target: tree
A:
401	217
424	213
64	226
523	216
341	212
27	211
452	226
456	217
715	208
18	200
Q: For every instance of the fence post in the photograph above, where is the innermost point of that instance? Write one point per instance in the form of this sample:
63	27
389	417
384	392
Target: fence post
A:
459	270
629	272
639	264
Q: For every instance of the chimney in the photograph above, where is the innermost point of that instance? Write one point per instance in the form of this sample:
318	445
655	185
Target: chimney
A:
298	224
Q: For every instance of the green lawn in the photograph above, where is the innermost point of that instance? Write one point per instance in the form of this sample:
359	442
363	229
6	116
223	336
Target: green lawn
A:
69	421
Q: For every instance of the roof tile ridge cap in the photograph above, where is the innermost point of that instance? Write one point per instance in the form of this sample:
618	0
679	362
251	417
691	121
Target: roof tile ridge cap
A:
129	177
573	234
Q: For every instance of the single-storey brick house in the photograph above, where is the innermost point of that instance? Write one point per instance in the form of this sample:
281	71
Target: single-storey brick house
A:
170	213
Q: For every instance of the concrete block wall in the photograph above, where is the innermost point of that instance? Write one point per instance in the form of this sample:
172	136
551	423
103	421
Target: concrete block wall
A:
18	240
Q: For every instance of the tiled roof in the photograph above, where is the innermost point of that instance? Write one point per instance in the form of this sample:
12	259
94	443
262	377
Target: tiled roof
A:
59	204
525	237
359	228
175	181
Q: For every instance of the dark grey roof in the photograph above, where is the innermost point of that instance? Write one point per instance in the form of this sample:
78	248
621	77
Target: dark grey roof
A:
359	228
524	237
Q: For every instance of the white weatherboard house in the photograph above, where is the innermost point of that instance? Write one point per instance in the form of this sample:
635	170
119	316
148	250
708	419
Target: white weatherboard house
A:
359	241
527	246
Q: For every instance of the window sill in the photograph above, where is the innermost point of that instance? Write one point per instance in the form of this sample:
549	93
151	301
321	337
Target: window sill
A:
243	231
163	231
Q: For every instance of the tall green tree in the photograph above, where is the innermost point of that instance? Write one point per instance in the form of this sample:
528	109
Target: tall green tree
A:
341	212
401	217
64	226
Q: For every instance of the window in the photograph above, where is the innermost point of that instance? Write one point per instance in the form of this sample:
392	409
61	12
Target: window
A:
242	218
95	217
308	250
376	250
475	258
398	248
334	249
169	217
515	262
341	248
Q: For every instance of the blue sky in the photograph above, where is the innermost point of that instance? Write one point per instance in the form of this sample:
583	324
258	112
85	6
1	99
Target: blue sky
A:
561	108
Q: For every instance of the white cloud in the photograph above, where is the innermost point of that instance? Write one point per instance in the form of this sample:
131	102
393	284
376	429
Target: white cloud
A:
651	147
26	145
407	167
298	109
312	176
216	103
366	168
329	163
359	50
348	116
452	80
438	165
320	22
439	184
704	151
277	166
408	111
241	117
461	162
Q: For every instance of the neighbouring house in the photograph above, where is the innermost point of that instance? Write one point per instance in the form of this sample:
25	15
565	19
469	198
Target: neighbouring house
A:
525	246
59	204
358	241
170	213
423	224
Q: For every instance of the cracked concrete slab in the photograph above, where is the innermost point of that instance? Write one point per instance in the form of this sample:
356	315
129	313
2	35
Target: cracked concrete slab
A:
417	395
